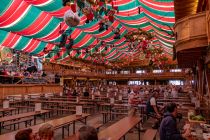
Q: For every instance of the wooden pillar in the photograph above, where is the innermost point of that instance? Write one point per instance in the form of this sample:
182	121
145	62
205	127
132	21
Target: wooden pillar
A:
200	67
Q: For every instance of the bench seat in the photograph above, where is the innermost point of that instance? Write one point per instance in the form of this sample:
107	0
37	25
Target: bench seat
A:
96	126
150	134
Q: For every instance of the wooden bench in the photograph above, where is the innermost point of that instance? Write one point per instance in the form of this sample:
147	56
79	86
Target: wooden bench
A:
60	110
27	121
150	134
21	116
111	115
96	126
28	108
119	129
57	123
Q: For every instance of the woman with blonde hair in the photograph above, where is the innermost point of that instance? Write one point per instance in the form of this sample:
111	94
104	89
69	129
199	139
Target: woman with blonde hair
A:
46	132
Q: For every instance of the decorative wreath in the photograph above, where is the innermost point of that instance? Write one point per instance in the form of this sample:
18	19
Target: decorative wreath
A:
138	35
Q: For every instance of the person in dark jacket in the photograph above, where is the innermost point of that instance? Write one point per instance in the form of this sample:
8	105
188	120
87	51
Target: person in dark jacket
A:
168	127
74	93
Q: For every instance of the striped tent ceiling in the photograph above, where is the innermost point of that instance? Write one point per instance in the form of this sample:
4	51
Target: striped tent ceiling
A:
32	25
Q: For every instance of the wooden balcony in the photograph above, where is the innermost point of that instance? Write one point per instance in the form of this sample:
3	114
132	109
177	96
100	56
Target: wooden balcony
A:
208	24
148	76
191	32
145	76
192	39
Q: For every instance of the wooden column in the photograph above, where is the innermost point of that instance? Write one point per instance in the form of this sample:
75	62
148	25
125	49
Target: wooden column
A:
200	76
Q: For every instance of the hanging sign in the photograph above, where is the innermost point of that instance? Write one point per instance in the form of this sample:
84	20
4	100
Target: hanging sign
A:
38	107
6	104
78	110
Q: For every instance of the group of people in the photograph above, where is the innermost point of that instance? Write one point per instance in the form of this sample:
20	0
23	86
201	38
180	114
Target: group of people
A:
165	116
46	132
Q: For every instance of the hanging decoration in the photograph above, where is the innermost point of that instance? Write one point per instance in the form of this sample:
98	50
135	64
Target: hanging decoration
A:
71	18
138	35
29	35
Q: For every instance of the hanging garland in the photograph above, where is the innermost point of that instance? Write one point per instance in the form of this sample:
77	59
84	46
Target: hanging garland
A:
138	35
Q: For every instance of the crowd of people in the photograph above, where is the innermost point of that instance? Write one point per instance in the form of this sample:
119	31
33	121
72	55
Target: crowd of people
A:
165	116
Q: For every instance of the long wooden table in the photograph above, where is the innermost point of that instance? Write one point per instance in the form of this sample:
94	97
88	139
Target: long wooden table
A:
22	115
7	111
120	128
57	123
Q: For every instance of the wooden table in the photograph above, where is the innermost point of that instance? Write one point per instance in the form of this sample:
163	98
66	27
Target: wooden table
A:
22	115
7	111
120	128
57	123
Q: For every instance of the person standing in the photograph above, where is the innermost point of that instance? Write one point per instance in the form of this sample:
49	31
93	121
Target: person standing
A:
153	110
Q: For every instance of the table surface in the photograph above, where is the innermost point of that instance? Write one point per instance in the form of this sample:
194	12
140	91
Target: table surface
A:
22	115
58	101
6	109
57	123
120	128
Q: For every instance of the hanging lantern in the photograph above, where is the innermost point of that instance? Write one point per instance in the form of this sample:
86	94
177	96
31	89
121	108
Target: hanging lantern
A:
71	18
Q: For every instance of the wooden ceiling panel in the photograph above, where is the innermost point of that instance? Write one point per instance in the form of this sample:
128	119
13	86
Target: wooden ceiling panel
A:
184	8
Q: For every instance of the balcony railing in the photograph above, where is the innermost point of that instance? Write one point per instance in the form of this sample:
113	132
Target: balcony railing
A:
163	75
191	32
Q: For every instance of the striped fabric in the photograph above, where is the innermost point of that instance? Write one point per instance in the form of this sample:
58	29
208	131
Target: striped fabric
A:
32	25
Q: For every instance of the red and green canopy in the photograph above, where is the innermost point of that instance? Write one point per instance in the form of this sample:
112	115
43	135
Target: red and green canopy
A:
32	25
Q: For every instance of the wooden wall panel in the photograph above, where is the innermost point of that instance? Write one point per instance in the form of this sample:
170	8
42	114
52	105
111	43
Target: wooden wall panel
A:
35	89
27	89
208	24
191	32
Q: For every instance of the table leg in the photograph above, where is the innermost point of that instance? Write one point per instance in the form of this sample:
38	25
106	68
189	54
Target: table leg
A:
139	130
110	110
73	127
63	132
34	119
44	116
57	108
85	120
68	128
0	127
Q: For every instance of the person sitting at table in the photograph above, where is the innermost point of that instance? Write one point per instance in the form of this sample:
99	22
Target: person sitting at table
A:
87	133
86	93
174	93
46	132
25	134
133	102
97	93
74	93
152	109
168	127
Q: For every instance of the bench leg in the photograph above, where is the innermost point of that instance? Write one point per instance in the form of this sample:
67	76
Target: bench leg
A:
73	127
139	129
63	132
68	128
103	119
